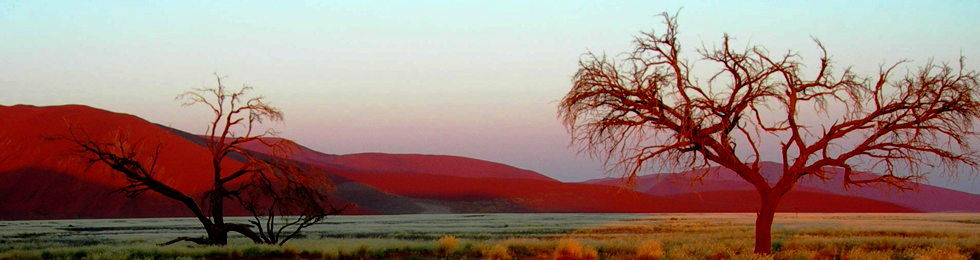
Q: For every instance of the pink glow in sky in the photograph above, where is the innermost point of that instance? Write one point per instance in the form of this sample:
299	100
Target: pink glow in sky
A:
474	79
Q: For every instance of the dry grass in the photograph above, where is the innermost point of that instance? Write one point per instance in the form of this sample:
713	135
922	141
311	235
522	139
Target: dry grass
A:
947	252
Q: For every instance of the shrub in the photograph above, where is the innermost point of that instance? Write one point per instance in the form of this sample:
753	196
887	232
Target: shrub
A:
497	252
650	250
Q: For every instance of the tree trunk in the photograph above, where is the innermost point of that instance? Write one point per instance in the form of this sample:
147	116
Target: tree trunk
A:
763	223
217	199
220	237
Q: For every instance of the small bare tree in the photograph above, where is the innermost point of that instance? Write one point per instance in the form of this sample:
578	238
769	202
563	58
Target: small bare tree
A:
647	110
268	184
297	199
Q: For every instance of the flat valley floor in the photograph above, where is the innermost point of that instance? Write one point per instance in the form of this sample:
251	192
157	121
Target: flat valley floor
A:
519	236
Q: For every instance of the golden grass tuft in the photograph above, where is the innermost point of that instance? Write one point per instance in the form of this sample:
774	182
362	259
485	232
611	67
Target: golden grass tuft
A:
569	249
447	244
497	252
650	250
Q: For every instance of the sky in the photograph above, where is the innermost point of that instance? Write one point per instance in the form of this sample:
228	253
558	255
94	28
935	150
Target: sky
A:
479	79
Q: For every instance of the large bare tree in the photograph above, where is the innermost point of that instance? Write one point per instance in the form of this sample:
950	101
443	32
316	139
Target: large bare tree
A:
647	109
270	187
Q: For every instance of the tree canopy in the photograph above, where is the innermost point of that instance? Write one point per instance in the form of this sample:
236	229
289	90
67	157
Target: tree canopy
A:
647	109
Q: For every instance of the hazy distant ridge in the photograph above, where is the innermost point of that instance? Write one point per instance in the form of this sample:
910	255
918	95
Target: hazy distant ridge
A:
40	180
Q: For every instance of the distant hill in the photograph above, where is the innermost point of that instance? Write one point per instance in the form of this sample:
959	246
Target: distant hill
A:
433	164
926	198
408	164
40	179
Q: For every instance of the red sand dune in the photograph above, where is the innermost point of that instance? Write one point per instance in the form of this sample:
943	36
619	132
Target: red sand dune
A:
300	154
181	162
43	179
37	193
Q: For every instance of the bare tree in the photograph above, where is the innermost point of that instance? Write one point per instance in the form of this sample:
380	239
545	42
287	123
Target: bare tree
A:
297	199
268	184
647	110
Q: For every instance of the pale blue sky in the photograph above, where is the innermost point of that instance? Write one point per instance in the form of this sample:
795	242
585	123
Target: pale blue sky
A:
476	79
